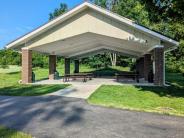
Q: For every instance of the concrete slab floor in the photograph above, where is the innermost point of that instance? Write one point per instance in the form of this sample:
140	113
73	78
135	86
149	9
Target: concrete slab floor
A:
79	89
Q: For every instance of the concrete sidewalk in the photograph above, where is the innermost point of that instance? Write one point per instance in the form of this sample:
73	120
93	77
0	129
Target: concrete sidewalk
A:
77	91
80	89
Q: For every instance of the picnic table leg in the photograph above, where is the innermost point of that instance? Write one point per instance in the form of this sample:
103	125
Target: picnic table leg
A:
68	79
137	79
117	79
84	79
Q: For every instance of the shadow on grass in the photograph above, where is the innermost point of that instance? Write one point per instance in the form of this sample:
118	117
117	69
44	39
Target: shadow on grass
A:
175	79
30	90
170	91
12	73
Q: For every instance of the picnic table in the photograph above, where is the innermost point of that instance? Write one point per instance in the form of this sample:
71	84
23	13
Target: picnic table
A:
84	76
133	76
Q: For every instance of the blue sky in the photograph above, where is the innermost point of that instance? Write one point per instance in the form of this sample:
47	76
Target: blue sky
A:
18	17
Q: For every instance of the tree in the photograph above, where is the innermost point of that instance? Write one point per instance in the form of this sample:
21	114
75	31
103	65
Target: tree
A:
9	57
113	57
132	9
58	11
167	17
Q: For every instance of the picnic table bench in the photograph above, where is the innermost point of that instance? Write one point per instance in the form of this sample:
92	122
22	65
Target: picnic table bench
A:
75	76
133	76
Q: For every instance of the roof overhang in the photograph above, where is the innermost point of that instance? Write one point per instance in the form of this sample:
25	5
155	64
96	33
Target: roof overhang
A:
96	42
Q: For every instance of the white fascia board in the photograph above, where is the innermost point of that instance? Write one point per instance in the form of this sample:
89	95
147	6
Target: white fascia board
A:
80	8
153	47
159	46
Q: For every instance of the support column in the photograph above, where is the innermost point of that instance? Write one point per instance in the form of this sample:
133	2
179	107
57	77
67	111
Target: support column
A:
140	67
159	66
26	66
76	62
67	65
52	66
147	66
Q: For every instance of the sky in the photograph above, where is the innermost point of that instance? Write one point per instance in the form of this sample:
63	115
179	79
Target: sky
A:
18	17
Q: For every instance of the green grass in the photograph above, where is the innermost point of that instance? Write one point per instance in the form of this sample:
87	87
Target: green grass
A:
10	69
11	133
168	100
30	90
121	68
9	85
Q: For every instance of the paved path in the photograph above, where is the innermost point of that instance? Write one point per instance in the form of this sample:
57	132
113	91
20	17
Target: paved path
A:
79	89
62	117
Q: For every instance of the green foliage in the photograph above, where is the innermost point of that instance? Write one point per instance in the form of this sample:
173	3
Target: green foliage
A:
132	9
165	16
175	59
97	61
40	60
58	11
9	57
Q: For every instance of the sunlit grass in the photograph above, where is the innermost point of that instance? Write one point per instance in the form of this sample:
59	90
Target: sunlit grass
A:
11	133
168	100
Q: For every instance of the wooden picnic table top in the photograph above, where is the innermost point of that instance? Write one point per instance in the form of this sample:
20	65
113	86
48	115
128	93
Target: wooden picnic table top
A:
79	74
127	74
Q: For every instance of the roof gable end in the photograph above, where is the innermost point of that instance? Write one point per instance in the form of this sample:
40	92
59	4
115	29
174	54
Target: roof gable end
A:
78	9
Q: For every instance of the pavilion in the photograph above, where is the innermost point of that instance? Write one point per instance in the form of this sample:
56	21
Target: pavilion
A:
87	30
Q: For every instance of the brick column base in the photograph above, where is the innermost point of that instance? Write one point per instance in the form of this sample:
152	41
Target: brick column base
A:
26	66
52	66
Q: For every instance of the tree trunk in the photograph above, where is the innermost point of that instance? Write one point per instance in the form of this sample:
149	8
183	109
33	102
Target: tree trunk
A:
113	58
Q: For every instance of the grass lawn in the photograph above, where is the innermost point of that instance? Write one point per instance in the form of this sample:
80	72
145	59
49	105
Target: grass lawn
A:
168	100
9	85
11	133
10	69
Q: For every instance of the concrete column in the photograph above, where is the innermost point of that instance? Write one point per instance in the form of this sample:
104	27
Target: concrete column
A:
52	66
147	66
26	66
76	62
159	66
140	67
67	65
